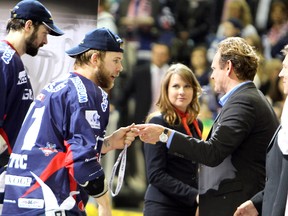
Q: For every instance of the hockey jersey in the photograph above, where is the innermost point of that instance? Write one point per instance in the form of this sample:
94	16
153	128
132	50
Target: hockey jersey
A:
58	148
16	95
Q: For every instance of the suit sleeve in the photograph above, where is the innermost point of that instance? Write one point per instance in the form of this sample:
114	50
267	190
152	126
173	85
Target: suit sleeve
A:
156	162
257	200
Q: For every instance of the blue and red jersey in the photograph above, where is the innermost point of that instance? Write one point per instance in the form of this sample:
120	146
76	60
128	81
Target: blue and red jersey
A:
58	148
16	95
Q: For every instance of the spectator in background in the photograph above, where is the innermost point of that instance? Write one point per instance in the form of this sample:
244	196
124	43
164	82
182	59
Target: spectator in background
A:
192	29
276	36
238	9
200	65
136	21
105	17
173	181
261	10
167	22
181	47
271	70
261	76
199	26
143	87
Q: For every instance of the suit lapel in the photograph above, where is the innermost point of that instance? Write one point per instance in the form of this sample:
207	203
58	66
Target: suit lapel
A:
273	138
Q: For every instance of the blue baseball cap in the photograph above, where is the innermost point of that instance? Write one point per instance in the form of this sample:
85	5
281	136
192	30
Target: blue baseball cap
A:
99	39
35	11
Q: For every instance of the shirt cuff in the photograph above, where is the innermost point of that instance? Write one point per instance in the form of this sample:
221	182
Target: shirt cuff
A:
170	139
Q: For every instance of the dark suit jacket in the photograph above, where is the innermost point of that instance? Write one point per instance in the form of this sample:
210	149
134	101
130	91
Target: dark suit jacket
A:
274	195
172	180
139	88
243	130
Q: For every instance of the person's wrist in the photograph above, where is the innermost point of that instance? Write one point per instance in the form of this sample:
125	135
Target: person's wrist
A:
164	136
107	145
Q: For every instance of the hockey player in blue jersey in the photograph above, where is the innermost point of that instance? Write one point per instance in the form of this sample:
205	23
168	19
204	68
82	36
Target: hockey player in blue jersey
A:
55	163
27	31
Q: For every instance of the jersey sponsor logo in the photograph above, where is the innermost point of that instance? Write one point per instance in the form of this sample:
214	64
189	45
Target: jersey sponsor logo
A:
28	94
81	90
93	118
22	78
18	161
104	104
30	203
18	180
7	55
49	149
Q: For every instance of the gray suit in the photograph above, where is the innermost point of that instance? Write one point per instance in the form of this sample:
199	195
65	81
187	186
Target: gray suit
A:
274	195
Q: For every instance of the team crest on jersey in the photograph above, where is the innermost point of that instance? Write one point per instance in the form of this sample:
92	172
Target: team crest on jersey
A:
93	117
49	149
22	78
7	55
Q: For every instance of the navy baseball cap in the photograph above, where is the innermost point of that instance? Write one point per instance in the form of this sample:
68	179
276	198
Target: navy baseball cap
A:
35	11
99	39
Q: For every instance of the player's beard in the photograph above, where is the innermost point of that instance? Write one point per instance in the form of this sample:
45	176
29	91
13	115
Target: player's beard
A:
31	49
103	77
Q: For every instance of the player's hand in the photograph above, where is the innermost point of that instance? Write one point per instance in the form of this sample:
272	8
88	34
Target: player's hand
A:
246	209
119	138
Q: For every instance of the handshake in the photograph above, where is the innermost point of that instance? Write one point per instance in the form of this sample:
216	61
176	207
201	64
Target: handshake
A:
148	133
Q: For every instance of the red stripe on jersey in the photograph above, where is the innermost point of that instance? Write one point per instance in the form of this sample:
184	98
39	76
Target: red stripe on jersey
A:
57	163
70	167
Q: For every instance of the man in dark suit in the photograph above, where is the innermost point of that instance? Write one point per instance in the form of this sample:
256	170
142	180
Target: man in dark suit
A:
233	156
144	85
272	200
